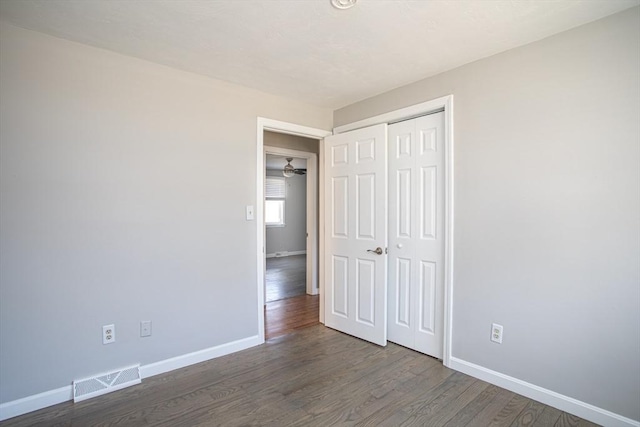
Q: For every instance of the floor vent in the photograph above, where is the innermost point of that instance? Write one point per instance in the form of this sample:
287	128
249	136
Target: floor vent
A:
105	383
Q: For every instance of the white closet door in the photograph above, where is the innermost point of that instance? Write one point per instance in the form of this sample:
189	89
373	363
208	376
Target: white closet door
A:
416	234
356	225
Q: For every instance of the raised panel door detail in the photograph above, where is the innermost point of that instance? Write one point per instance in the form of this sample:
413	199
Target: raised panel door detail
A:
340	197
427	296
365	206
355	182
403	146
428	141
365	282
403	203
340	155
365	150
428	195
416	230
340	286
403	292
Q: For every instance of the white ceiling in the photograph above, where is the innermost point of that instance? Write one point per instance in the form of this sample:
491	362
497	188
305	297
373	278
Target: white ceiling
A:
305	49
278	162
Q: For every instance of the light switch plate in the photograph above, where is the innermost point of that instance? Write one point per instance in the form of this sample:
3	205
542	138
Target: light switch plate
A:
145	328
249	213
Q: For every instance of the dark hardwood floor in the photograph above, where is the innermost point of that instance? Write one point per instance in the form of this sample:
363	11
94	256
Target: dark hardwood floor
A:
287	306
285	316
314	376
285	277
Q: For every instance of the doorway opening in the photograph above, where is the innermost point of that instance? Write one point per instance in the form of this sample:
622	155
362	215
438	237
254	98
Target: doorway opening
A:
285	212
289	220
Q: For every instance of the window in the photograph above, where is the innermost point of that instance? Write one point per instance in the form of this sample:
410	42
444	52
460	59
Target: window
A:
275	194
274	213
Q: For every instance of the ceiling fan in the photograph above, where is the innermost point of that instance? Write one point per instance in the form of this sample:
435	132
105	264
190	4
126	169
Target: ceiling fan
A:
289	170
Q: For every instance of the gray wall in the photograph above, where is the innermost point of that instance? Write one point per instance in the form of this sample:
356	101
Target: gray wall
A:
293	236
292	142
547	209
123	190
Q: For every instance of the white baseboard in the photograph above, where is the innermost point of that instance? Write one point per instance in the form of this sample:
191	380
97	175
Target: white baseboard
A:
178	362
285	253
548	397
35	402
63	394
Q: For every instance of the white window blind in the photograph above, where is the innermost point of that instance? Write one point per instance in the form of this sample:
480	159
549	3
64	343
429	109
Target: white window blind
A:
275	188
275	192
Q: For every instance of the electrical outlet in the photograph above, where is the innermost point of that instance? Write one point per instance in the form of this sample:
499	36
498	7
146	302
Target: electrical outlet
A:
108	334
496	333
145	328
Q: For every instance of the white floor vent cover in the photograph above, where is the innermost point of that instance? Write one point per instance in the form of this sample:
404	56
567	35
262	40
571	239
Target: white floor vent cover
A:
105	383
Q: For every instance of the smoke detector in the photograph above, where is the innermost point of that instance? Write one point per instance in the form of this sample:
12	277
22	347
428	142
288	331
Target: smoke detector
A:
343	4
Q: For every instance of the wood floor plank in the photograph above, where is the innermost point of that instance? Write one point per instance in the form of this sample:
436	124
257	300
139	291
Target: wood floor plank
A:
415	389
429	402
291	314
529	414
548	417
439	413
510	412
465	415
351	381
568	420
491	410
285	277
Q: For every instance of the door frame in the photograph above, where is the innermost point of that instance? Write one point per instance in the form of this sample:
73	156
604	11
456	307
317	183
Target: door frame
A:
311	197
291	129
443	103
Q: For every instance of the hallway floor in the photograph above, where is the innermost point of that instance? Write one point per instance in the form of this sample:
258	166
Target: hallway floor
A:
286	277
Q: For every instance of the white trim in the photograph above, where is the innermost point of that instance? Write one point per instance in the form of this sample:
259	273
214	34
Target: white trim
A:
291	128
445	102
321	231
34	402
279	127
396	115
199	356
284	254
38	401
260	227
548	397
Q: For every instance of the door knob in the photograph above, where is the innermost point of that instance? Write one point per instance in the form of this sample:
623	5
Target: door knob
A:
378	251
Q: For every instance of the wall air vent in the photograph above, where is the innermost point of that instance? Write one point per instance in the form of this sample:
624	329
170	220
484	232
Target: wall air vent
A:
105	383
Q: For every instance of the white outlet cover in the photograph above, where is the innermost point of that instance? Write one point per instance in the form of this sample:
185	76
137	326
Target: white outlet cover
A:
496	333
108	334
